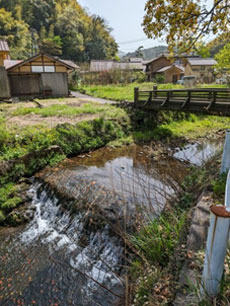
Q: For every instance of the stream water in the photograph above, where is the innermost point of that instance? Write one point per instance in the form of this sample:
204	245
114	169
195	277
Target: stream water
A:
65	257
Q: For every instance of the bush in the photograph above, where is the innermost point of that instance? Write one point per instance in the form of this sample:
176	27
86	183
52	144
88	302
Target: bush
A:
159	78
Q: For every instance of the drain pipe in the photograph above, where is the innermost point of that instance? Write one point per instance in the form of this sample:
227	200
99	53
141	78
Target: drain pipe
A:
218	234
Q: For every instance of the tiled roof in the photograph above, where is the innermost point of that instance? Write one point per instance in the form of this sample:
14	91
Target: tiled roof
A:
154	59
4	46
201	61
11	63
169	67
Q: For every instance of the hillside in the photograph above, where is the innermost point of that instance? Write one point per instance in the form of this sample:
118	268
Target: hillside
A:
149	53
57	27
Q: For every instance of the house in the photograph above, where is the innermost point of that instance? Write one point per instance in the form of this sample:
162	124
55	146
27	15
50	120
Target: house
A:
40	75
4	52
155	64
107	65
201	68
171	73
4	84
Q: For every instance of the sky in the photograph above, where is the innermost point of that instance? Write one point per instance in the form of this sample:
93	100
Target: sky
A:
125	17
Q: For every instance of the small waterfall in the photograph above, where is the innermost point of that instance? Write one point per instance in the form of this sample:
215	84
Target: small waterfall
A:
86	266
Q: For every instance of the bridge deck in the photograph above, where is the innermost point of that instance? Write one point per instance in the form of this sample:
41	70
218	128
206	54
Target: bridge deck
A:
202	100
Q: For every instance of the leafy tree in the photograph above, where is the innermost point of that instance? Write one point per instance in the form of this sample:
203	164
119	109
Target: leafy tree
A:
223	58
58	27
68	28
202	50
51	44
185	22
139	52
16	33
100	44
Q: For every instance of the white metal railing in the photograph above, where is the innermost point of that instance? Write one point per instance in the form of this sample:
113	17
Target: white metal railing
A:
218	234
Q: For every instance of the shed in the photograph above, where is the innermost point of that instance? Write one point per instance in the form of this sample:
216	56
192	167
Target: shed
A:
40	75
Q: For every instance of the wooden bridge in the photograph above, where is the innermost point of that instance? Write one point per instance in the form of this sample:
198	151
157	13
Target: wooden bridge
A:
202	100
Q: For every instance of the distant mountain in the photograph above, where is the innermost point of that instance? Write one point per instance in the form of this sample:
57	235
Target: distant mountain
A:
121	53
148	53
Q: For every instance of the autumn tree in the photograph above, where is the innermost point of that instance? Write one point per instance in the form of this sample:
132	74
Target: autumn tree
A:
183	23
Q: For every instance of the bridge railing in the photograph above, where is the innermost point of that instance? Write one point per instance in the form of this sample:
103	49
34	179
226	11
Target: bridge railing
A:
204	94
195	99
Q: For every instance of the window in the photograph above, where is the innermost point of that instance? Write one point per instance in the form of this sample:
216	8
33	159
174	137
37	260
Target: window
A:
37	68
49	68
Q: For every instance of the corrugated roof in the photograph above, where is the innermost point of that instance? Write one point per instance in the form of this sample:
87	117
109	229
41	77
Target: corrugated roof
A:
70	63
169	67
11	63
201	61
4	46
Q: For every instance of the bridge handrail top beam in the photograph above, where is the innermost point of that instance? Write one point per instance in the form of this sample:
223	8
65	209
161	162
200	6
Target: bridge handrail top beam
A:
189	90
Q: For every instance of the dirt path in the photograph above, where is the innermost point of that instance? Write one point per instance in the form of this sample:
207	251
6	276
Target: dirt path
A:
83	97
52	121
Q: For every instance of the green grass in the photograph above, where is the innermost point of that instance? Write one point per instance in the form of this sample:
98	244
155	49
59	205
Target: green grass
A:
126	91
62	110
123	92
197	126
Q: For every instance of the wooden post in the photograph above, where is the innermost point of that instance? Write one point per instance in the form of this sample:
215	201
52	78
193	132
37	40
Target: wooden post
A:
136	94
155	91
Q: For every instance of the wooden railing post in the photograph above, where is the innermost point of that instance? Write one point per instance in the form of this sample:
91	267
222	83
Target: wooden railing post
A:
155	91
136	94
187	99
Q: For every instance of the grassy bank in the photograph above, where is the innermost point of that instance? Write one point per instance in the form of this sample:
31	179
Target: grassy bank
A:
122	92
160	245
29	142
126	91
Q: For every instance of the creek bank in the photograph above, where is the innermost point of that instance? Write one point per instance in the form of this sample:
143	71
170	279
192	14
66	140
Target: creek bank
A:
156	280
69	237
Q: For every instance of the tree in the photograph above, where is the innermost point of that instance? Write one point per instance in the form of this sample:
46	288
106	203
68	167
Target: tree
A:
17	34
202	50
185	22
99	43
223	58
223	63
139	52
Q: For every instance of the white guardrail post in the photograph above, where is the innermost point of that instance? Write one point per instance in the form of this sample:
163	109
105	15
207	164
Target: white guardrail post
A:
225	165
218	234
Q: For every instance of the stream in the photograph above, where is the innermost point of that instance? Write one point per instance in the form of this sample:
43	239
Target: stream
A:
72	252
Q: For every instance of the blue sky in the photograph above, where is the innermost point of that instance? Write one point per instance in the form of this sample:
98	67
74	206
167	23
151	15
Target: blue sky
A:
125	17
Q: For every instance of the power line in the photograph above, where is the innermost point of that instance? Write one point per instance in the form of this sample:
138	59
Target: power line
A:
132	41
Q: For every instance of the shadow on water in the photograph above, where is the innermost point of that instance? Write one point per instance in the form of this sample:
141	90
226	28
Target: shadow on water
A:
74	256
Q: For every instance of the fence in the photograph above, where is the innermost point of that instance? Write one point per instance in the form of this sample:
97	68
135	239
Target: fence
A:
218	234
